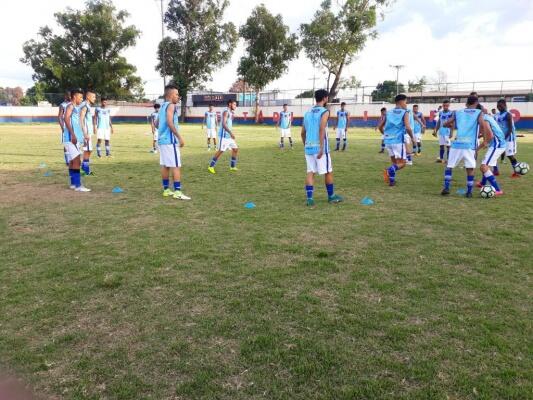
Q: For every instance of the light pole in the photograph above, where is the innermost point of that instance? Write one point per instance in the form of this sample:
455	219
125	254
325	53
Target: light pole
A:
398	68
163	61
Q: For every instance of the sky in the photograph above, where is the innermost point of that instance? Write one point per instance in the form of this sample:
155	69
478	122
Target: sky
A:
470	40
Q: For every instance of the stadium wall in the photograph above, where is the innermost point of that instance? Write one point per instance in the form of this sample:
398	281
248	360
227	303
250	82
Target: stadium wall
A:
363	115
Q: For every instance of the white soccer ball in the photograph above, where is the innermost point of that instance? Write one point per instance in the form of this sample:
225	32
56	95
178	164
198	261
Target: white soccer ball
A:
487	192
521	168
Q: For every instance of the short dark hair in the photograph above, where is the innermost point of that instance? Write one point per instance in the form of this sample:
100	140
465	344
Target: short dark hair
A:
75	91
383	109
210	105
89	91
473	94
400	97
502	101
170	87
230	101
479	106
285	105
446	102
493	109
415	105
343	103
157	105
471	100
321	94
104	98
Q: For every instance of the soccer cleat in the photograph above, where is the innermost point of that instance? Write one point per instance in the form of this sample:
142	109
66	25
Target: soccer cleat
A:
91	174
393	183
445	192
409	163
515	175
468	195
497	173
211	170
334	199
82	189
479	185
386	175
72	187
178	194
381	152
498	193
168	193
234	169
439	161
310	203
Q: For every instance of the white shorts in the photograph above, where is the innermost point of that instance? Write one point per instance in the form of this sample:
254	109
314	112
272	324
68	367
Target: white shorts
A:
285	133
320	165
396	150
227	143
72	151
211	133
492	156
88	146
341	133
155	135
458	155
418	137
103	134
407	139
444	140
511	148
169	155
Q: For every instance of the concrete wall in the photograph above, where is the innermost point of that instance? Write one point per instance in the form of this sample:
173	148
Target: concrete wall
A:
363	115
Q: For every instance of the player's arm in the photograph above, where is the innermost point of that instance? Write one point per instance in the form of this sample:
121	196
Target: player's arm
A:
83	113
322	134
291	116
408	128
303	134
278	121
509	124
437	127
224	126
111	123
381	125
204	122
423	122
68	123
170	123
152	124
347	121
60	118
95	127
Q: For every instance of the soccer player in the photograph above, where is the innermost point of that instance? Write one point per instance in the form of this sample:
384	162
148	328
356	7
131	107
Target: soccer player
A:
88	122
496	147
409	139
383	112
443	132
343	122
316	148
420	127
285	123
464	147
210	121
154	117
170	141
226	138
506	123
72	138
104	128
394	127
61	120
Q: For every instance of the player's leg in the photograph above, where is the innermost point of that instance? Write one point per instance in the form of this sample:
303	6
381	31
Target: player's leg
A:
469	157
382	144
289	136
108	148
221	149
281	143
75	165
233	161
99	146
419	144
453	159
85	165
344	139
338	139
309	187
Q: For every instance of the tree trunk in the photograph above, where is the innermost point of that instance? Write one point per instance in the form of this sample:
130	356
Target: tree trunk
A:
256	107
183	108
334	88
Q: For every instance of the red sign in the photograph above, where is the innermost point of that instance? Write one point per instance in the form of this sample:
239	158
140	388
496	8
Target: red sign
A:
516	115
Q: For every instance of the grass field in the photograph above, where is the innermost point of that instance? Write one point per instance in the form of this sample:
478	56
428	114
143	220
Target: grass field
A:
133	296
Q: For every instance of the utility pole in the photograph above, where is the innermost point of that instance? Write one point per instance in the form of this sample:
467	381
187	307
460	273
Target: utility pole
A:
164	61
314	80
398	68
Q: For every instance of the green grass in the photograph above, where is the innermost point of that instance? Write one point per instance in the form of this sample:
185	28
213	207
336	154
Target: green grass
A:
133	296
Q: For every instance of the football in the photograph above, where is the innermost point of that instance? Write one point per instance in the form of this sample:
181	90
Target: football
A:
487	192
521	168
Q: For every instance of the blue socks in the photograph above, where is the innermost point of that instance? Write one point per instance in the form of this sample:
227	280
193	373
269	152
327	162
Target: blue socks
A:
344	142
177	186
419	146
98	150
441	153
469	183
338	144
495	169
85	167
213	162
409	157
447	178
71	175
165	184
382	145
488	176
392	173
309	191
329	188
76	178
233	162
107	150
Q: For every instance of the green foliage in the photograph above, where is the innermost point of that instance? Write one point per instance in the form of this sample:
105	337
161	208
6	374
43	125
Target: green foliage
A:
417	85
88	53
335	36
386	91
269	48
201	43
307	94
35	94
349	83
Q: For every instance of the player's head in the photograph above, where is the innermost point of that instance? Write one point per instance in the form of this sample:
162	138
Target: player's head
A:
90	96
415	108
76	96
210	107
493	111
67	95
473	94
322	96
445	105
383	110
172	94
401	101
343	104
103	101
501	105
472	101
285	107
232	104
157	106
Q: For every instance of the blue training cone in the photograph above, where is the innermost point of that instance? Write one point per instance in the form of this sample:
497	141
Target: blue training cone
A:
367	201
461	191
48	173
249	205
117	189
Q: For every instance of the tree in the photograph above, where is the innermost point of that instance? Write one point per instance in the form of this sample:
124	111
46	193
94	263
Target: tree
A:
307	94
417	85
349	83
11	95
386	91
269	48
88	53
201	43
440	80
34	95
240	86
332	40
